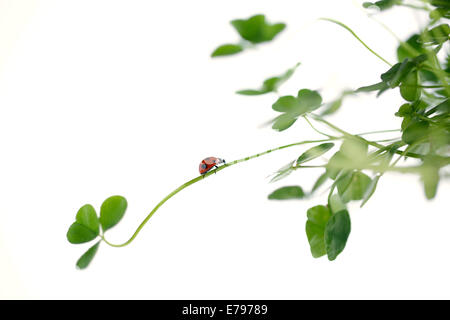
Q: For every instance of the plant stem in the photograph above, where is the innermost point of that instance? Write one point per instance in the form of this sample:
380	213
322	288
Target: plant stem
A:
315	129
357	38
201	177
372	143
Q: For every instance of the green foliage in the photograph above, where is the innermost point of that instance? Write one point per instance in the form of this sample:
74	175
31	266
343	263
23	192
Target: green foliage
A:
335	164
437	35
314	152
283	172
409	88
287	193
404	74
87	257
415	131
370	189
318	217
336	234
430	177
320	181
333	106
425	129
87	217
410	48
327	232
293	107
270	84
440	3
382	5
111	211
227	50
353	186
79	233
87	225
336	204
254	30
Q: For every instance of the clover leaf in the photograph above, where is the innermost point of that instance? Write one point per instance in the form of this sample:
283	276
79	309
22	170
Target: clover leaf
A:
293	107
318	217
287	193
253	30
87	225
256	30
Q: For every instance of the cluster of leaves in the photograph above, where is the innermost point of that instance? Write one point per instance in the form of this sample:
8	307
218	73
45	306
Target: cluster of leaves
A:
382	4
422	79
88	226
441	8
253	31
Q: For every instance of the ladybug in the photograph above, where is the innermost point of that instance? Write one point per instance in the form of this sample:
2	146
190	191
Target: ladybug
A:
209	163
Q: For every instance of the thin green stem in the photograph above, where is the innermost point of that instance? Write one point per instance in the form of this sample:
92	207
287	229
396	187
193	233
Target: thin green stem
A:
357	38
380	169
372	143
379	131
201	177
411	50
412	6
315	129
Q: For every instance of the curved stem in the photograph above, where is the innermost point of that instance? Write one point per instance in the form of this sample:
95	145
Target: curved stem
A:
201	177
378	131
372	143
331	138
357	38
316	130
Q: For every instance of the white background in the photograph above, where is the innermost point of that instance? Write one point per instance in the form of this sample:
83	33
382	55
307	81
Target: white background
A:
121	97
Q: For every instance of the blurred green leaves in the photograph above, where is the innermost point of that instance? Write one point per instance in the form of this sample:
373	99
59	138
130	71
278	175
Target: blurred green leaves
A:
253	31
336	233
87	257
226	50
436	35
314	152
382	5
318	217
292	107
327	233
409	89
283	172
287	193
256	29
442	9
353	186
415	131
430	177
352	153
271	84
404	74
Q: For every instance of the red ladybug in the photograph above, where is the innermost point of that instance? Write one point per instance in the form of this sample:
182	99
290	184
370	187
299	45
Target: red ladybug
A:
209	163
